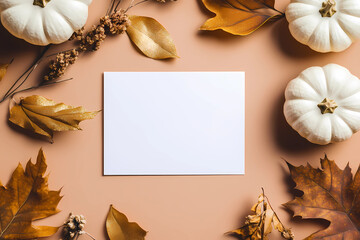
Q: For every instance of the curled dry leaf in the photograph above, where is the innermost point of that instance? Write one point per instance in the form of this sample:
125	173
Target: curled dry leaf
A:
44	116
328	193
3	69
239	17
151	37
118	227
260	224
26	198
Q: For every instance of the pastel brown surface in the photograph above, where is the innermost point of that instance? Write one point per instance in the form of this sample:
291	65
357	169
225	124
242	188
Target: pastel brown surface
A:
331	194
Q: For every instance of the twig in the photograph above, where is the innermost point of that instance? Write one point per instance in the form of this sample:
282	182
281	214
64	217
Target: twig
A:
90	235
30	69
134	5
42	84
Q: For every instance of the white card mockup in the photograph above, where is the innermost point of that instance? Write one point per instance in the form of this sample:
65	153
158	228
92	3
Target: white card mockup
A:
174	123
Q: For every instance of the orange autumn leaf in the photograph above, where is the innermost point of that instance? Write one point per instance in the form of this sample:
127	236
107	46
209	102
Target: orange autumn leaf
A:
328	193
118	227
239	17
44	116
27	198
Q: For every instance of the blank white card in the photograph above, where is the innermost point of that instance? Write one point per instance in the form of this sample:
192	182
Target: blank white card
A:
174	123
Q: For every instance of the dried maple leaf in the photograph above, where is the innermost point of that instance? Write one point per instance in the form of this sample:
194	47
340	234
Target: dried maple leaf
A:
239	17
151	38
26	198
260	224
119	228
331	194
44	116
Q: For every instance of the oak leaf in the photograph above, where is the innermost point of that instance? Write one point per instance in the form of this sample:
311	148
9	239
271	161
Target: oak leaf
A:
119	228
151	38
239	17
27	198
260	224
44	116
328	193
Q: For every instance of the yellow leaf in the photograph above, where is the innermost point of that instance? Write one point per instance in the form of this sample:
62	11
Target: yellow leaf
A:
3	69
151	38
26	198
44	116
119	228
239	17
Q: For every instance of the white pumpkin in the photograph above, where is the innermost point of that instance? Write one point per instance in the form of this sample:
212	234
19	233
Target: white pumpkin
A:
42	22
324	25
323	104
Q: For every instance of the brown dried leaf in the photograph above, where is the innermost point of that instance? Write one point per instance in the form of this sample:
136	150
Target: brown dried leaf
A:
3	70
151	37
27	198
260	224
239	17
44	116
119	228
331	194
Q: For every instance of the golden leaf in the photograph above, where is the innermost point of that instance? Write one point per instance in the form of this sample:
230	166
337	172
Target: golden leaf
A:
3	69
26	198
239	17
151	37
328	193
119	228
44	116
260	224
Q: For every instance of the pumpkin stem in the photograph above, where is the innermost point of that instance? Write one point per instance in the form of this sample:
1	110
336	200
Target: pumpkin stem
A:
328	8
41	3
327	106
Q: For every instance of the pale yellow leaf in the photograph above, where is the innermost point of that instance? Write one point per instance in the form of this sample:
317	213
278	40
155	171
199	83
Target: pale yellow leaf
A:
151	37
118	227
44	116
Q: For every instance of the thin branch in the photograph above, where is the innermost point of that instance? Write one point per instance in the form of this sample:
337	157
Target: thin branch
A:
117	5
134	5
37	60
43	84
90	235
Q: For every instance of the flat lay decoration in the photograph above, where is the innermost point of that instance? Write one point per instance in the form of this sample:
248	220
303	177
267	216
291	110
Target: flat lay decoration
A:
44	117
328	193
25	199
322	104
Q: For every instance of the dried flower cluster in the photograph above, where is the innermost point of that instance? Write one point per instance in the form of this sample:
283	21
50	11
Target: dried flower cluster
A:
73	226
63	60
113	24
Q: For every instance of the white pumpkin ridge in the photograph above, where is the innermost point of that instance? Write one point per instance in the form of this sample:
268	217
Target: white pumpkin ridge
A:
53	23
333	32
337	87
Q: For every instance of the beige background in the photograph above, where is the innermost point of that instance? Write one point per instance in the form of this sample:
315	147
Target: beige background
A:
185	207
